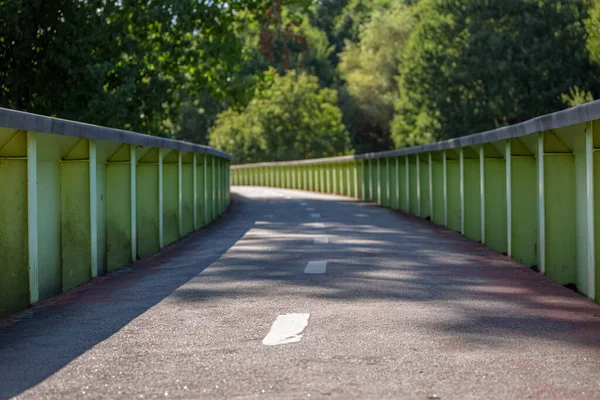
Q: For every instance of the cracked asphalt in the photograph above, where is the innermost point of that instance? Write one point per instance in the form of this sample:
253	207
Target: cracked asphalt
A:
405	309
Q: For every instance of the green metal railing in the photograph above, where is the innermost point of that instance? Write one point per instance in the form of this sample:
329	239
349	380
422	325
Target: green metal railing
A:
529	190
79	201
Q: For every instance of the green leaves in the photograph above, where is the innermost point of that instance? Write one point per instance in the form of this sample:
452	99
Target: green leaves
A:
291	118
126	64
480	65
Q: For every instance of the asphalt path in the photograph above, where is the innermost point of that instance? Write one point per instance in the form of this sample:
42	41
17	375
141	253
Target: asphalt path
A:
303	295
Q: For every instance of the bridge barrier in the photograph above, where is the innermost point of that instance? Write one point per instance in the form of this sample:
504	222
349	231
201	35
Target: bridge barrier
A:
78	201
530	190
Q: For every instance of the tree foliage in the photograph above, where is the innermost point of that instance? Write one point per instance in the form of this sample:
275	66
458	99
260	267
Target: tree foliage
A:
476	65
370	67
126	64
396	72
291	118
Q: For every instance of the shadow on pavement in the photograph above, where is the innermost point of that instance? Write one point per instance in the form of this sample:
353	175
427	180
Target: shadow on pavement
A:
36	343
375	255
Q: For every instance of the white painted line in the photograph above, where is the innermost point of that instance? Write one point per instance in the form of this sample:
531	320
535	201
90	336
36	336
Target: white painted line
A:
309	209
315	215
321	240
303	203
287	328
316	267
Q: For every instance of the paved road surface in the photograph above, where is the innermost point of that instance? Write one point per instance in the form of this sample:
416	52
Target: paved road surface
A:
300	295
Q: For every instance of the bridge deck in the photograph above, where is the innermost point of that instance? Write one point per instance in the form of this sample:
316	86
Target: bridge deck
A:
403	309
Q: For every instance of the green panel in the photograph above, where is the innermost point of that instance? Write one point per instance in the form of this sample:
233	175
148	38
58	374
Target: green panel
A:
383	175
101	210
316	178
188	198
453	189
403	184
412	169
118	215
200	184
393	183
14	264
577	135
438	192
49	226
597	219
524	210
305	177
209	191
495	204
424	178
75	211
170	203
221	182
367	179
559	175
147	210
349	178
340	180
472	199
342	185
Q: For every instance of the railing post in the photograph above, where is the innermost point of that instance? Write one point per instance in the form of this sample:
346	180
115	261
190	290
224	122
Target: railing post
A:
430	160
341	186
205	188
482	190
397	182
32	217
180	192
407	184
508	156
445	188
160	199
214	186
541	205
93	208
334	177
133	201
322	178
378	181
418	185
591	242
461	157
387	178
195	189
362	181
348	181
371	197
294	180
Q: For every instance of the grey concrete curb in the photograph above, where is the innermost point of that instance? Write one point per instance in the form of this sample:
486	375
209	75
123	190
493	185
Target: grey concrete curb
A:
38	123
572	116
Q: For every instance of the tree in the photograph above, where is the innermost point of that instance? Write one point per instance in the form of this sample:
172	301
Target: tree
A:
476	65
593	31
370	68
127	64
291	118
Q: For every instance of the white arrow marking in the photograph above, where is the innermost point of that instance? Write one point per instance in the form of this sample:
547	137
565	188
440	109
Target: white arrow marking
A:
287	328
316	267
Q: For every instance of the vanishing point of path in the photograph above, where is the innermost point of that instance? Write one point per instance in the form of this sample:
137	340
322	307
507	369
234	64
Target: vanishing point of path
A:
301	295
